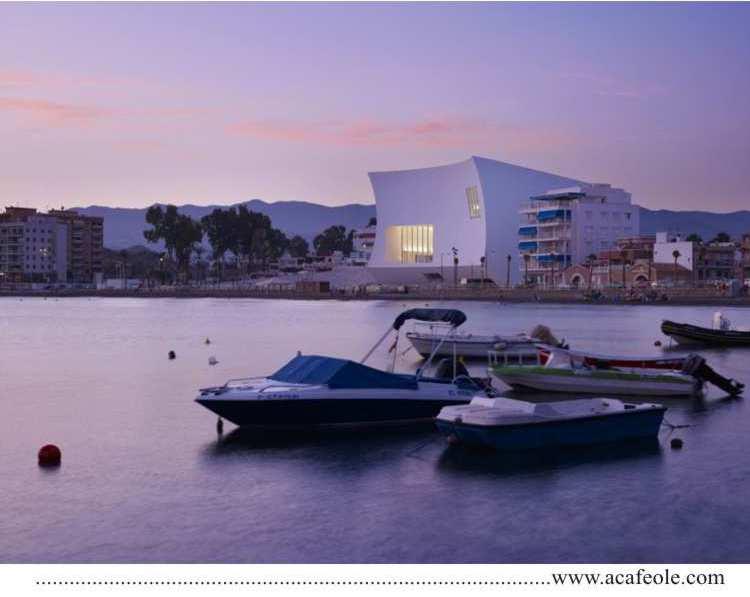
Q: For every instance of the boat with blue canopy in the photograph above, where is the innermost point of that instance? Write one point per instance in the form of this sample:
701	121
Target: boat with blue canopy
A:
316	390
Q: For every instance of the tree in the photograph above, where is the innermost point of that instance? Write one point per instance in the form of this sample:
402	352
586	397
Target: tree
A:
163	222
526	259
252	232
372	222
333	239
590	260
179	232
722	237
694	238
676	254
298	247
220	227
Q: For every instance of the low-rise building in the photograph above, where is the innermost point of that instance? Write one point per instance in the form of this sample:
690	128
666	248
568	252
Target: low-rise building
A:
363	241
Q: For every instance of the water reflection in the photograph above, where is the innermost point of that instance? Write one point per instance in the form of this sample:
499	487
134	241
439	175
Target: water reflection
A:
460	459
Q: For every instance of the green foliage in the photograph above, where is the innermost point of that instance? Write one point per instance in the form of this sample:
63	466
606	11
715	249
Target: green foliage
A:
334	238
722	237
298	247
179	232
694	238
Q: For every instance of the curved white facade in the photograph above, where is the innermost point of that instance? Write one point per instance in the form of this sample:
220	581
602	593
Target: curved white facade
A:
471	205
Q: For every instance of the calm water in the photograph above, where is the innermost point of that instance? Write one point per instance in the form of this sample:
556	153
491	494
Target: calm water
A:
144	478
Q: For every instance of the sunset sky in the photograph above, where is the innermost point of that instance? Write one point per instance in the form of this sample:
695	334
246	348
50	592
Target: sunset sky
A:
131	104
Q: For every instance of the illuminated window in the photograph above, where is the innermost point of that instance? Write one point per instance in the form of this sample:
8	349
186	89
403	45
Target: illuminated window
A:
410	244
472	196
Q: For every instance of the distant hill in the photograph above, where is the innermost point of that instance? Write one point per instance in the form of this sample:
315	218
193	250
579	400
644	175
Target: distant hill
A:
123	227
704	223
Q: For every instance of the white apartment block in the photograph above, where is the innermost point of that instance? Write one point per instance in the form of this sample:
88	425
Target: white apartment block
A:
33	247
562	227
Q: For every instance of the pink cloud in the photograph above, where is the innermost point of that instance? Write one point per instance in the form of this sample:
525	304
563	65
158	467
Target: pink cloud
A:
434	132
52	113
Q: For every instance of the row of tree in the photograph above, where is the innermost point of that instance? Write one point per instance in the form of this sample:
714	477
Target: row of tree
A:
246	235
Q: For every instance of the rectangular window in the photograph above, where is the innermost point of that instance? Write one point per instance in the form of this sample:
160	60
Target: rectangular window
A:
410	244
472	197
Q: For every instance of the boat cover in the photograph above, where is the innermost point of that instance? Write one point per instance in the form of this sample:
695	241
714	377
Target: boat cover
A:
451	316
340	374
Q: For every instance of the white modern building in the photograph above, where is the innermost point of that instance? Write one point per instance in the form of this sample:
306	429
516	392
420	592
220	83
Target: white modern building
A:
668	244
468	210
562	227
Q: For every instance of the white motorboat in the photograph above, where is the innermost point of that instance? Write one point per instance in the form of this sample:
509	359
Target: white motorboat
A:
561	373
312	390
507	424
425	337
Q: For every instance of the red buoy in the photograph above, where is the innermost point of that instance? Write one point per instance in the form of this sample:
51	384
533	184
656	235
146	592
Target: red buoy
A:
49	455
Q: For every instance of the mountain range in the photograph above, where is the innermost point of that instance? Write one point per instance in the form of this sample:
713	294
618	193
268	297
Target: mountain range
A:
123	227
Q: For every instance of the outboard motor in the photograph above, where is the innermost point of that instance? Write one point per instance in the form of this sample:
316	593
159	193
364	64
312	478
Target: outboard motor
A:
545	336
444	369
696	366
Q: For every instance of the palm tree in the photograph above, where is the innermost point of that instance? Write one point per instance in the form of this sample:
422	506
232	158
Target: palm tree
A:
676	254
590	264
526	259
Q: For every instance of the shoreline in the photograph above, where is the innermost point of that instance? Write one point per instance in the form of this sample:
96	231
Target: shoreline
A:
520	296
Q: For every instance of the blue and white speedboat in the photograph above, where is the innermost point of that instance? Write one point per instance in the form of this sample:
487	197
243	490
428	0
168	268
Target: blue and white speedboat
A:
313	390
506	424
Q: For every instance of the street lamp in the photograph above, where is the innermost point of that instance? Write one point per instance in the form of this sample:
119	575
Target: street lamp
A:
454	250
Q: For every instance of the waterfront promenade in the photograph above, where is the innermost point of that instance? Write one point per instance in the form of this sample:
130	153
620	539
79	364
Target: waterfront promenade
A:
675	296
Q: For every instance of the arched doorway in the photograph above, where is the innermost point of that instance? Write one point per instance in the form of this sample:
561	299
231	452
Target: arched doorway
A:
576	281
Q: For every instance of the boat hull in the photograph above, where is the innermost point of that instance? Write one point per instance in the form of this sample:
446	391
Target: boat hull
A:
600	383
686	334
474	348
287	414
575	432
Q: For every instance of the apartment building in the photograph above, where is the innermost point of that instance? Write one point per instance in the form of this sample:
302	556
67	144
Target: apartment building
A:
33	247
59	246
85	244
563	227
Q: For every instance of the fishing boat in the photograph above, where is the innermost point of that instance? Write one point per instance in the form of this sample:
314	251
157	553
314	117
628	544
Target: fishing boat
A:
425	337
561	373
720	335
506	424
314	390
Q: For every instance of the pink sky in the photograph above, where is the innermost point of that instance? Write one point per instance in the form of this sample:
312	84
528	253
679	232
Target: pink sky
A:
223	103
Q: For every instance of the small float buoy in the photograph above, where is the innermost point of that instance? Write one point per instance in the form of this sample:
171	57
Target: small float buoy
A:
220	426
676	443
172	355
49	455
657	343
208	341
212	360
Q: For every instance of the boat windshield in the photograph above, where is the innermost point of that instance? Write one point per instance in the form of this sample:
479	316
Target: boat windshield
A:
339	374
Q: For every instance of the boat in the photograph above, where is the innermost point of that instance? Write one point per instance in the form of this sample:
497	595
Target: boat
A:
507	424
426	337
692	364
561	373
315	390
720	335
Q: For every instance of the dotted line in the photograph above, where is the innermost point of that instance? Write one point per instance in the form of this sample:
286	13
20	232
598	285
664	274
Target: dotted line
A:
290	582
